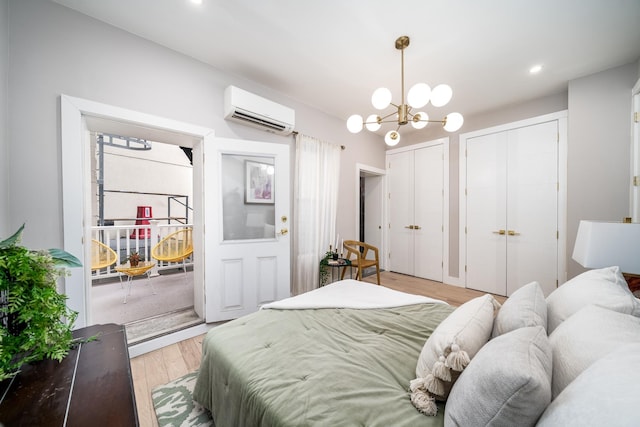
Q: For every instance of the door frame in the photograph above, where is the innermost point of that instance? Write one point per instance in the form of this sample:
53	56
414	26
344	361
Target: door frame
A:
361	169
78	117
561	117
634	185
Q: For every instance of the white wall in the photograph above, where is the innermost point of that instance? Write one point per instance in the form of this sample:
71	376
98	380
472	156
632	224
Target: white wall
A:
135	178
4	145
599	150
54	50
525	110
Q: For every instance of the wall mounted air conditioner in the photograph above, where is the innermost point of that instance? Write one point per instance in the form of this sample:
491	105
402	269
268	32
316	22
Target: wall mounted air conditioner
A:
256	111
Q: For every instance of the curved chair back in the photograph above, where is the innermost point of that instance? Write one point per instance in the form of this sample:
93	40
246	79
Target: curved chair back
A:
360	250
101	255
176	247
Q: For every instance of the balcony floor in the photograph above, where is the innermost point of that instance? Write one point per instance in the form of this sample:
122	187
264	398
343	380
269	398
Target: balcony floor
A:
146	315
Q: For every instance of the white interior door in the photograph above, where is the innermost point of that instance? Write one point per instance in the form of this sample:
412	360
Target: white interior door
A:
401	185
247	242
416	212
428	222
532	206
512	209
486	213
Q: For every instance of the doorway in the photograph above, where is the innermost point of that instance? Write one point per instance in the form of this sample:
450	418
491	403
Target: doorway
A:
142	193
79	118
370	209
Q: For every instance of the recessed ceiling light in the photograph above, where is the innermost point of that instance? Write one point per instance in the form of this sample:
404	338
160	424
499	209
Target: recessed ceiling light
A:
535	69
196	1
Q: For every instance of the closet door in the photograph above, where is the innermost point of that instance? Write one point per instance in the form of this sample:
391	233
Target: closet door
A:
401	190
428	212
512	209
416	199
532	206
486	213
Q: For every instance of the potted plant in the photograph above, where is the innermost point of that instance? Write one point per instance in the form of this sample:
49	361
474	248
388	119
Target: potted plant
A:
35	322
325	274
134	259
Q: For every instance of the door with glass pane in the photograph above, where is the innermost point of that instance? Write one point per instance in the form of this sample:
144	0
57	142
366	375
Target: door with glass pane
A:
247	226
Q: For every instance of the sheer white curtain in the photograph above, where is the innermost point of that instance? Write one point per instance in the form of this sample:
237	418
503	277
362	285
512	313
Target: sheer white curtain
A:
317	173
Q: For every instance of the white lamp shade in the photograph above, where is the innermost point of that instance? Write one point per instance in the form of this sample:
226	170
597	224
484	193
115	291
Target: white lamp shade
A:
602	244
454	122
418	95
419	120
381	98
392	138
372	123
354	123
441	95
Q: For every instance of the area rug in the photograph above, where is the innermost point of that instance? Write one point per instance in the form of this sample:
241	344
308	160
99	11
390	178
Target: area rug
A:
174	405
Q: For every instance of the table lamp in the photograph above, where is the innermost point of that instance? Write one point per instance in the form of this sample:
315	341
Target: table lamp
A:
602	244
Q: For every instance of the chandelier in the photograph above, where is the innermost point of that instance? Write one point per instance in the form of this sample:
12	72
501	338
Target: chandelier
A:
419	95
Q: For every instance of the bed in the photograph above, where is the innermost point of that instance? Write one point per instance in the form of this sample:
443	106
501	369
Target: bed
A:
341	355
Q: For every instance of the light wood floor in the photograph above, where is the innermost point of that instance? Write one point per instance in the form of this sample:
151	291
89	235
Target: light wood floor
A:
166	364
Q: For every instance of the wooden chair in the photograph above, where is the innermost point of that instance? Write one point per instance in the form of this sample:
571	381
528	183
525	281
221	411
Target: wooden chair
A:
102	256
176	247
359	250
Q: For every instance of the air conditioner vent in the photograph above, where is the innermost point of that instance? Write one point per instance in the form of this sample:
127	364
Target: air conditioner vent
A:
239	115
253	110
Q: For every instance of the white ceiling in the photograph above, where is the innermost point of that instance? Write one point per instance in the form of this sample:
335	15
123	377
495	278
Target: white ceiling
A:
332	54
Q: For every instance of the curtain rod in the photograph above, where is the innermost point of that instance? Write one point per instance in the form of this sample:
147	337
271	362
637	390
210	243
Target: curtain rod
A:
295	132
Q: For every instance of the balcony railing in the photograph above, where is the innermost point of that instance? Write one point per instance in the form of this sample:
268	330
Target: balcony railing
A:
124	239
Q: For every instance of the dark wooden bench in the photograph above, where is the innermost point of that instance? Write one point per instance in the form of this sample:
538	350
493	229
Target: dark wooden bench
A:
92	386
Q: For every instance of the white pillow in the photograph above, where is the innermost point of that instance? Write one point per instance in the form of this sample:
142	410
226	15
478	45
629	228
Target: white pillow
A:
605	287
585	337
449	349
508	383
604	394
525	307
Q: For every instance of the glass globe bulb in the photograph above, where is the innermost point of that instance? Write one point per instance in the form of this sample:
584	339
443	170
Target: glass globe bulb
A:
392	138
418	95
354	123
454	122
441	95
381	98
372	123
419	120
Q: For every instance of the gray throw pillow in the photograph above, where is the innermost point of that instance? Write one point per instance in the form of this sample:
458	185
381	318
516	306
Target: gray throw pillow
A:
508	383
449	349
585	337
525	307
605	287
604	394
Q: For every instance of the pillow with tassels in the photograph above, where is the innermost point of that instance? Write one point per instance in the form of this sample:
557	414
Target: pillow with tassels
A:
449	350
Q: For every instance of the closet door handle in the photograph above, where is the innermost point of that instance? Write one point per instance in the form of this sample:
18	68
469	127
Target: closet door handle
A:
500	232
416	227
513	233
410	227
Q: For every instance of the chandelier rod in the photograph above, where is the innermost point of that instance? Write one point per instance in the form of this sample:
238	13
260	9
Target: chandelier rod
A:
402	70
402	43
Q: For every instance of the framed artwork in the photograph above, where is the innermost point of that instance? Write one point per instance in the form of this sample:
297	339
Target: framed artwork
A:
259	183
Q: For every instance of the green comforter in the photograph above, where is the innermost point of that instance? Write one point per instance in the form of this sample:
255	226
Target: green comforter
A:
323	367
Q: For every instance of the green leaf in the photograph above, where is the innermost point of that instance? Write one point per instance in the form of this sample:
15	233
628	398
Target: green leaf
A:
64	258
11	241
